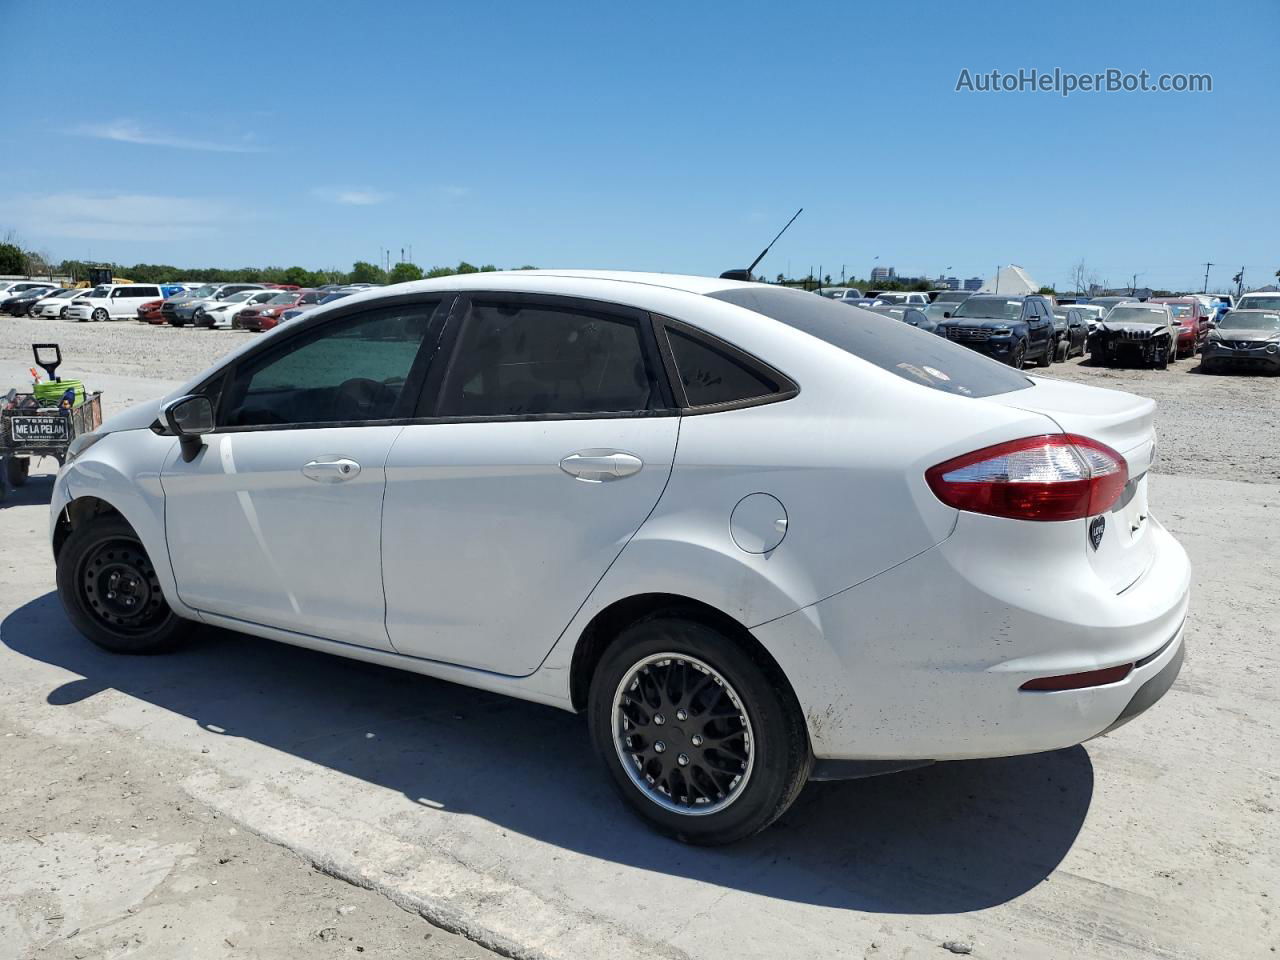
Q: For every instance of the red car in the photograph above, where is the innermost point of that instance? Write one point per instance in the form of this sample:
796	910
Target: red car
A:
1192	320
266	315
149	312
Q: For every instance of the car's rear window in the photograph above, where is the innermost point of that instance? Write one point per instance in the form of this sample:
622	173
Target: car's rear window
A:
903	350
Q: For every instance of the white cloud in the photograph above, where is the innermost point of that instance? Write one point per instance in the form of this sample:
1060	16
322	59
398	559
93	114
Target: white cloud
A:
128	131
362	197
124	216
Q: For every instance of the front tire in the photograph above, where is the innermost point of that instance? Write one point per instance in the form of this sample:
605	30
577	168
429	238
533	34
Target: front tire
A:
701	740
99	315
110	590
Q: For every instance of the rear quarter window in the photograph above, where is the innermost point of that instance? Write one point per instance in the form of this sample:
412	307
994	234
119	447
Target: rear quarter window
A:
903	350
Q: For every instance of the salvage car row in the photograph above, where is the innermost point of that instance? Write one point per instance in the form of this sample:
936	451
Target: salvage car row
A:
1113	331
247	306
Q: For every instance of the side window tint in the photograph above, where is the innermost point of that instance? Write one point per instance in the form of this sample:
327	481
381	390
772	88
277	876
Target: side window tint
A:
712	376
353	369
527	360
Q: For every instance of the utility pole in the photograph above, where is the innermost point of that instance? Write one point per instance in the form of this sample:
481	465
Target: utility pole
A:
997	289
1205	288
1238	280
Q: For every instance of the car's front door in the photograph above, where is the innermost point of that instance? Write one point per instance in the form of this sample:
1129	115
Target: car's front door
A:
550	441
277	519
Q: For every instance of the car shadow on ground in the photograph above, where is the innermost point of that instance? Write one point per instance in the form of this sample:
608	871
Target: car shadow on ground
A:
38	490
949	838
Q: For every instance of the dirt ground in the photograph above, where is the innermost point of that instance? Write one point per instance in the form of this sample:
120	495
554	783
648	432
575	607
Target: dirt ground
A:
247	799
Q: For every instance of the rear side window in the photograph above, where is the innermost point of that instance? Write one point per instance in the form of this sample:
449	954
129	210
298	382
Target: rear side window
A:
711	376
521	359
903	350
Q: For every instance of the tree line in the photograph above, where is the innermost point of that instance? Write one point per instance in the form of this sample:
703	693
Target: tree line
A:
15	260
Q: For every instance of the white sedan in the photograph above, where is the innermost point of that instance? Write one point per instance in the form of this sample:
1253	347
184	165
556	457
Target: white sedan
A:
54	305
756	538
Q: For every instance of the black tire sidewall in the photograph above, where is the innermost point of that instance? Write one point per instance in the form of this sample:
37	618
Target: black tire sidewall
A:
83	539
781	755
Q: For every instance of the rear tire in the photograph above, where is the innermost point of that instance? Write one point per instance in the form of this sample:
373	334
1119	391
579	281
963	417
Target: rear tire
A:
111	592
1063	351
16	470
1046	358
701	740
1018	355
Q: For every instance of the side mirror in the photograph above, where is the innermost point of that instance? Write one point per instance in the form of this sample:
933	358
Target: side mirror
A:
946	314
190	418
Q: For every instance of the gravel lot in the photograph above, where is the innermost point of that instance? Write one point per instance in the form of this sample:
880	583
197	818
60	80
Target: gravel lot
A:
126	775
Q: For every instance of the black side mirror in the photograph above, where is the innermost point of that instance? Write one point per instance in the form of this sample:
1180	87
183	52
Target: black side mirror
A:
190	418
946	314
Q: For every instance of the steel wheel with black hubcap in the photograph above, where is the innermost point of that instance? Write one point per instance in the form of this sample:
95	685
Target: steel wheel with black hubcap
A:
111	591
700	737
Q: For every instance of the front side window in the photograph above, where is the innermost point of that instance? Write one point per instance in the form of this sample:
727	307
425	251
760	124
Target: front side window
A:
350	370
522	359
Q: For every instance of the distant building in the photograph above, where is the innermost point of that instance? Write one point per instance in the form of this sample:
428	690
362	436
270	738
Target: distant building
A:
973	283
881	274
946	283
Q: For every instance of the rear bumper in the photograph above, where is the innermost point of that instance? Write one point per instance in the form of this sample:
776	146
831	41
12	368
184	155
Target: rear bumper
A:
925	661
1155	686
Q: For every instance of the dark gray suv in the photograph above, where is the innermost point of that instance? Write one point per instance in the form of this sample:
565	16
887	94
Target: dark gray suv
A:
1012	330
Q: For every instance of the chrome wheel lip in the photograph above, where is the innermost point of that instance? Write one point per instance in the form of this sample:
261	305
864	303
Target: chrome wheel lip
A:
626	757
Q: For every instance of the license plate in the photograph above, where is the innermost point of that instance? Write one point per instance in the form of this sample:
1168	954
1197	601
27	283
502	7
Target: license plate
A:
39	429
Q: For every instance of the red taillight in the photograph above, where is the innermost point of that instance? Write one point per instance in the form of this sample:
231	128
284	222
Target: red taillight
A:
1052	477
1078	681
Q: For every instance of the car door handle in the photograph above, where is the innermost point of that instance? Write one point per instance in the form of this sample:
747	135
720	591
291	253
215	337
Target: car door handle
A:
337	470
598	466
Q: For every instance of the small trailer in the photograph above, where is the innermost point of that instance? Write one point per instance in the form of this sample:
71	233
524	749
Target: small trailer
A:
44	421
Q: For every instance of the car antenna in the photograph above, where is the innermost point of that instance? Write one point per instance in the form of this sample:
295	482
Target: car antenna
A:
746	274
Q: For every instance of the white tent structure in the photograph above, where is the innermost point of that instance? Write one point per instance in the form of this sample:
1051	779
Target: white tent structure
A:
1011	281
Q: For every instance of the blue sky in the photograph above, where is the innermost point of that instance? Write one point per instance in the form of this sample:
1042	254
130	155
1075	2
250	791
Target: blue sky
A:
663	136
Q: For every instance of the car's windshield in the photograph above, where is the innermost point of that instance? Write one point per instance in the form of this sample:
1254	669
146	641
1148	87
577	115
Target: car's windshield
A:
1252	320
206	291
97	293
240	297
952	296
899	348
283	298
893	297
334	296
1133	313
1259	303
989	308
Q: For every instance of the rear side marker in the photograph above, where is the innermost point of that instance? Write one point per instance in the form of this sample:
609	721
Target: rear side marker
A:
1079	681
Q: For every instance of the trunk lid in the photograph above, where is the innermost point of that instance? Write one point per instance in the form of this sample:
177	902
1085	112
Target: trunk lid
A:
1126	423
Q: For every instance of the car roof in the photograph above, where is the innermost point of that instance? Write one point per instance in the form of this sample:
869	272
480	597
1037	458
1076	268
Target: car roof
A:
535	281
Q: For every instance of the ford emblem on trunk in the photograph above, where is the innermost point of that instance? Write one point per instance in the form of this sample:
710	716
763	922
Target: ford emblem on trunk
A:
1097	526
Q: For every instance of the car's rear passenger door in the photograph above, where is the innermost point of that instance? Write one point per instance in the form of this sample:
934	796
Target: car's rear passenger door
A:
547	440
